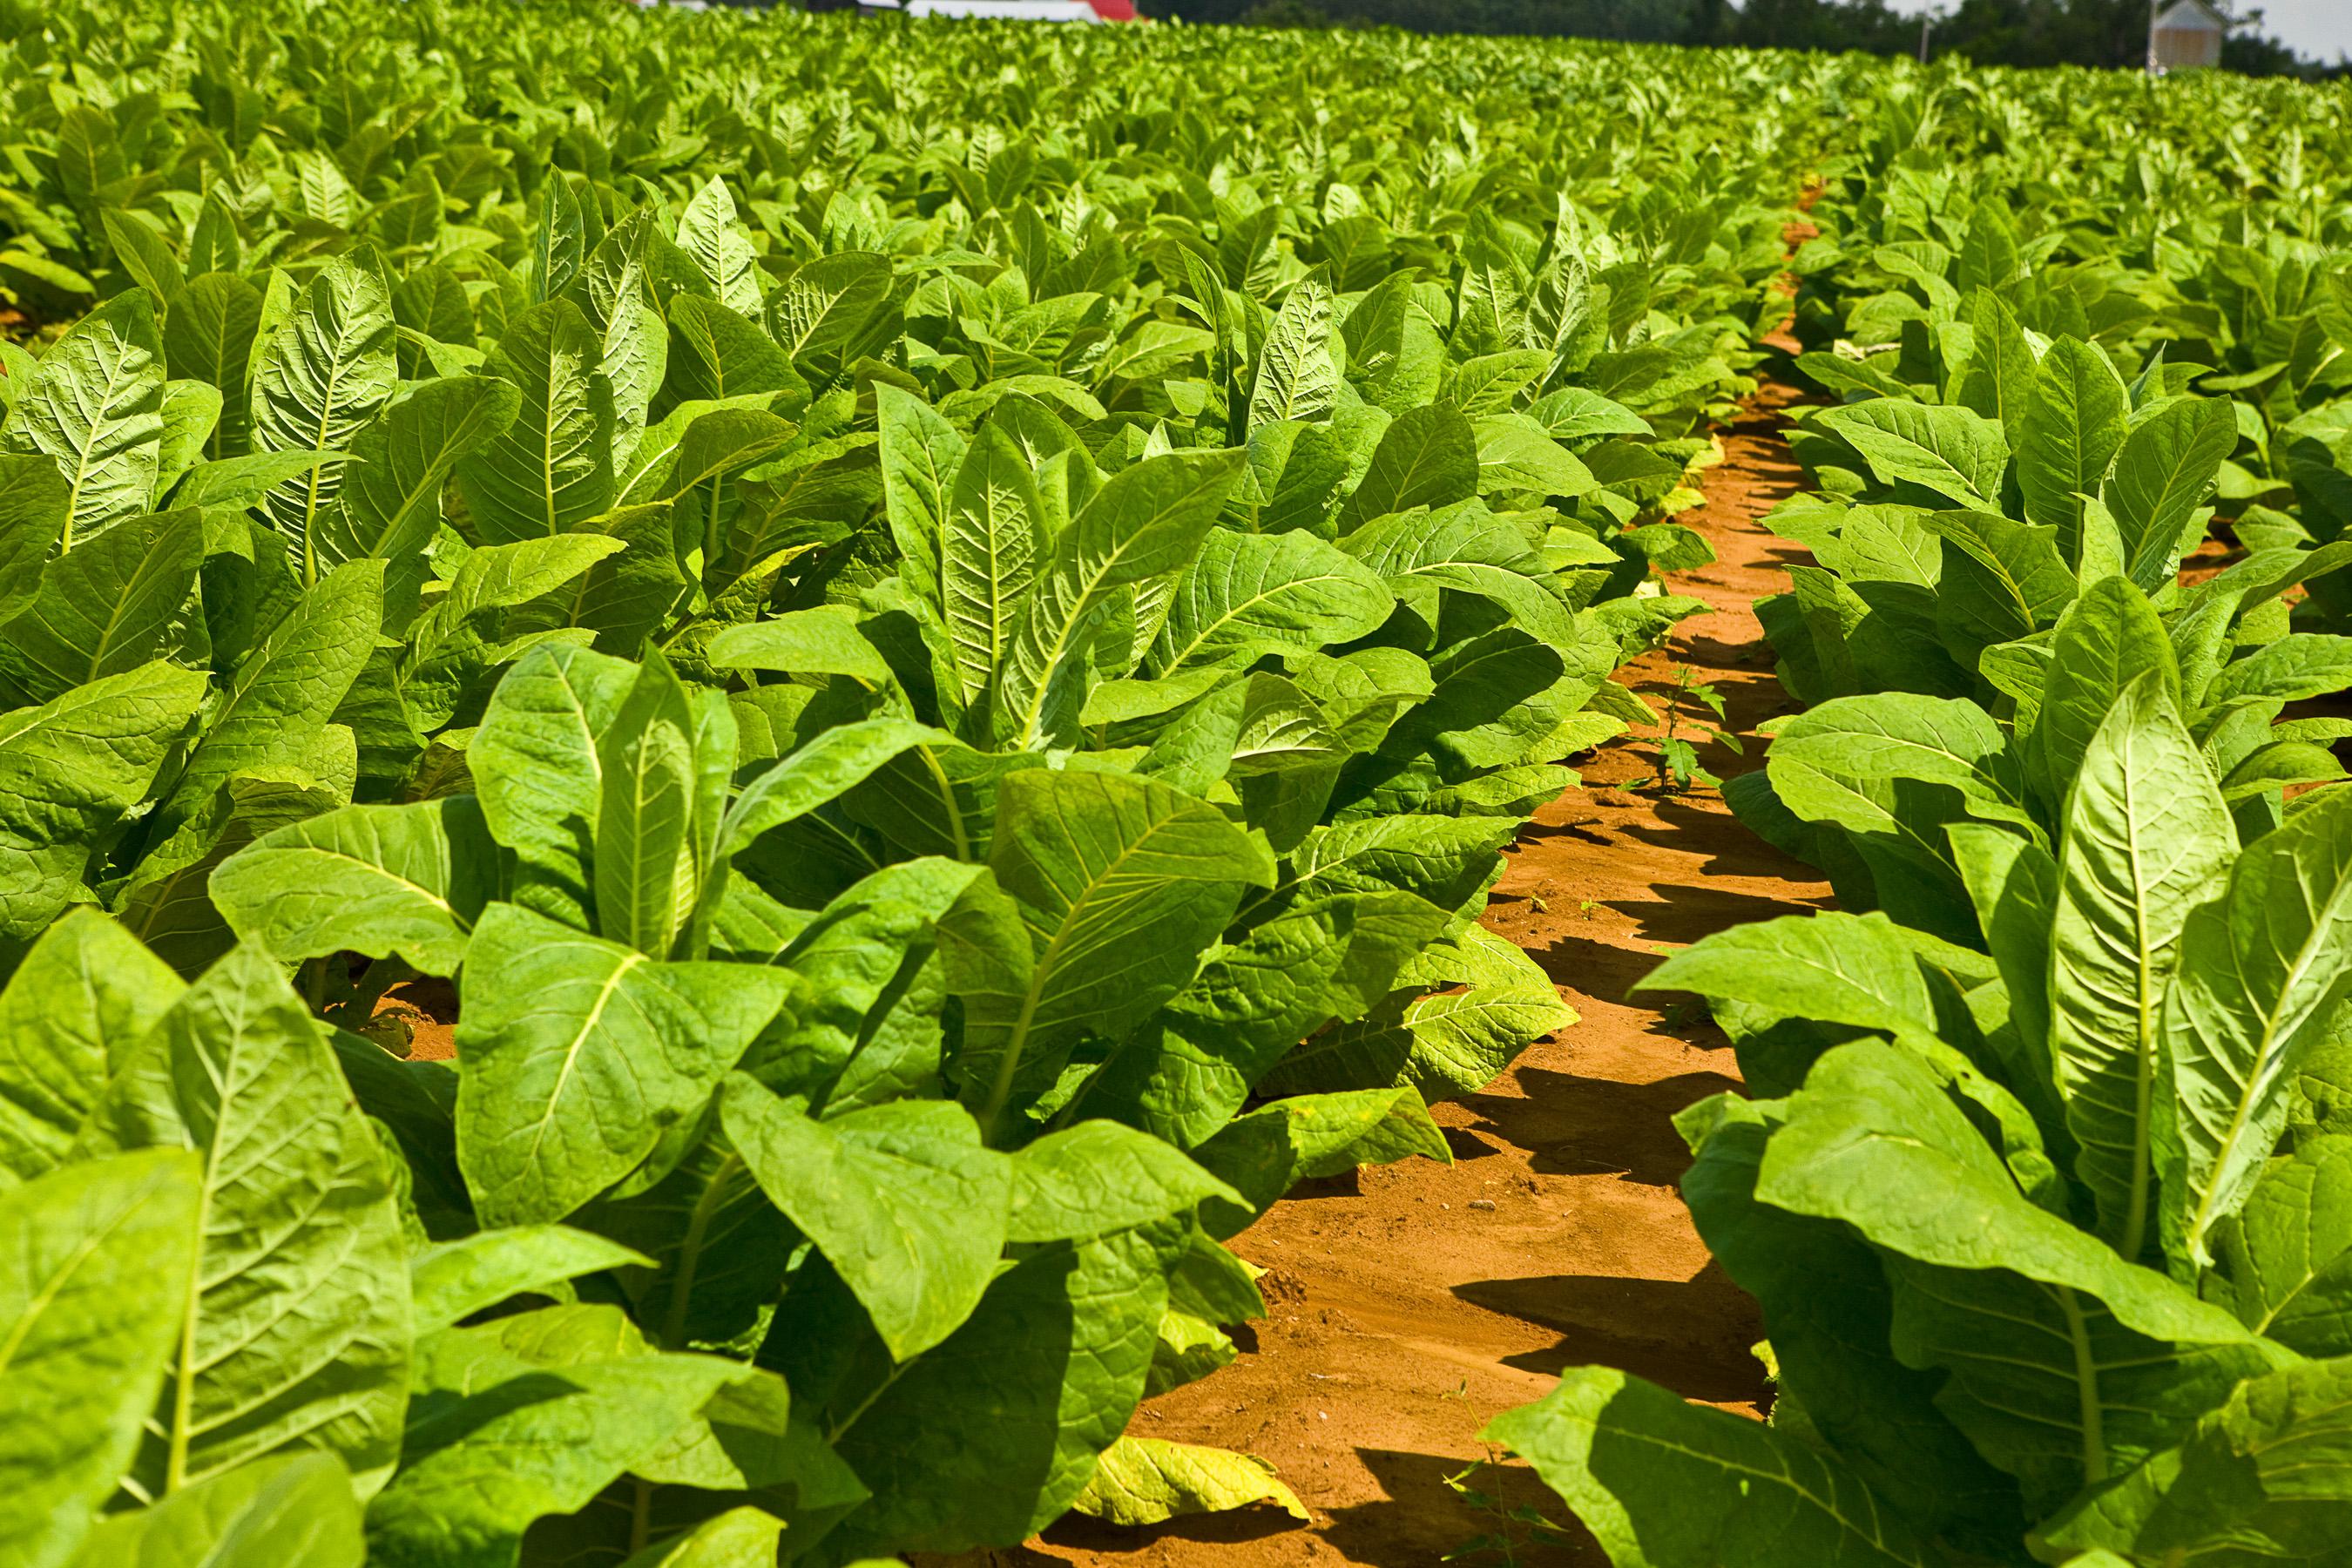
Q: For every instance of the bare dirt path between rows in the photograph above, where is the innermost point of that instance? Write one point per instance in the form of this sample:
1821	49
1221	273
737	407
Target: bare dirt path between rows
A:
1408	1304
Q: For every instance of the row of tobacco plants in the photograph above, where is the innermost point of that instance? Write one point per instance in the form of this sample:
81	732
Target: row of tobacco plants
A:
2043	1178
928	641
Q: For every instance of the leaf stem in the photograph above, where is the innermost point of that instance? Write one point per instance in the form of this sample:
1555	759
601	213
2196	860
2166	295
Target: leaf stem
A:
1009	1064
641	1514
2087	1391
948	798
689	1253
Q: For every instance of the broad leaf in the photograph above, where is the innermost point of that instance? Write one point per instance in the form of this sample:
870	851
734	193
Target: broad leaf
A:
95	408
2263	973
2147	840
297	1335
1669	1485
579	1059
902	1200
96	1262
322	373
383	880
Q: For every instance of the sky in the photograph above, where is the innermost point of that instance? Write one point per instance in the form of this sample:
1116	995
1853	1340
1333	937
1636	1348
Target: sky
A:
2321	29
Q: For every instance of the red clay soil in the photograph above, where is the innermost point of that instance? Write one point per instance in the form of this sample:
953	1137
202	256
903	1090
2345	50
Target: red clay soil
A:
1406	1305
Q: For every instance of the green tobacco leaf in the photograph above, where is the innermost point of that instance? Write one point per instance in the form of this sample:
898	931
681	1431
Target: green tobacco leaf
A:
95	1264
1836	968
2073	425
78	1004
720	1249
1468	548
1998	379
191	410
990	536
2013	886
447	643
824	641
2066	1363
862	1024
2108	638
534	761
524	1418
1663	1484
996	1432
325	370
209	333
2002	580
298	1333
1265	1152
833	762
95	408
390	502
739	1538
2285	1259
717	354
457	1279
551	470
239	483
35	502
1239	1022
921	455
1248	595
1828	1310
2263	1479
1150	1481
164	902
2147	840
1148	520
1825	761
297	1508
1462	1041
115	602
826	306
289	686
1517	454
579	1059
744	1439
902	1200
383	880
2164	472
69	770
1445	860
560	244
709	233
626	597
1427	457
1948	450
2263	972
1296	376
645	867
1099	1176
1112	888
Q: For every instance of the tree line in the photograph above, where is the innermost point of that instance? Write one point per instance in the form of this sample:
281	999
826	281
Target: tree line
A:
2108	33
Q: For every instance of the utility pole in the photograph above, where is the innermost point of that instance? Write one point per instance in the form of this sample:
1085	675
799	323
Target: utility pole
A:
2153	6
1927	21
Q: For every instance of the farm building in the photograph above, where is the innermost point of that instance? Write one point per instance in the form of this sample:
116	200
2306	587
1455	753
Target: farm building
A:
2187	36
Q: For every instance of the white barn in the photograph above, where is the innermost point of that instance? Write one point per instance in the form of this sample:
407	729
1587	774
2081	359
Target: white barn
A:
2186	35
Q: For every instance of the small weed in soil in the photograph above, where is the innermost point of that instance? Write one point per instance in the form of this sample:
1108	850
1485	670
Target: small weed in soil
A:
1678	760
1517	1530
